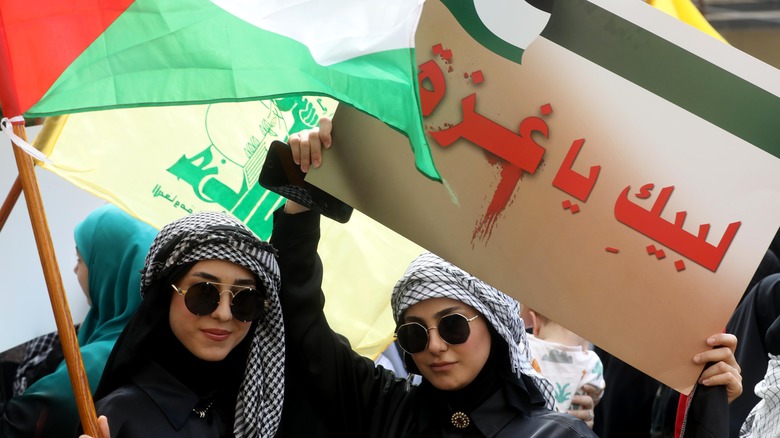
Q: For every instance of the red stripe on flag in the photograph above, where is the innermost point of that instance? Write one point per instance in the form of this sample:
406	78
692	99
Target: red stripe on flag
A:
39	40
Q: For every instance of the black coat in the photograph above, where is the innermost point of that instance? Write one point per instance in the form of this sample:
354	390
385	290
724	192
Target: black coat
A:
750	322
156	404
356	399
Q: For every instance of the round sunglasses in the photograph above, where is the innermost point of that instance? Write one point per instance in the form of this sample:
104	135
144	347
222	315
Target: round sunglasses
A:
246	304
453	329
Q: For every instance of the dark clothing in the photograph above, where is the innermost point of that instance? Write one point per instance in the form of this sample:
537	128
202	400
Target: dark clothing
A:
626	410
155	404
357	399
141	368
42	356
769	265
749	323
9	364
246	387
707	414
773	338
644	407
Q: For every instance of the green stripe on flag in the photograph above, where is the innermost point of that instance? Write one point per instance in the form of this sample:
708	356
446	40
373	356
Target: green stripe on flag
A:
465	11
674	74
161	53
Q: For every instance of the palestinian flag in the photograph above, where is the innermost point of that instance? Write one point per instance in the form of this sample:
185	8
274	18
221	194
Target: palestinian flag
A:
68	56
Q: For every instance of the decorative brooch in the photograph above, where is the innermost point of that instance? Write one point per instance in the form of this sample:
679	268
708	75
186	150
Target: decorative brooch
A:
460	420
201	413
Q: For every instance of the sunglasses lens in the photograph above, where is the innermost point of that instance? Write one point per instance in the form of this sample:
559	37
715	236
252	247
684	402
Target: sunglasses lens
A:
454	329
248	305
202	298
412	337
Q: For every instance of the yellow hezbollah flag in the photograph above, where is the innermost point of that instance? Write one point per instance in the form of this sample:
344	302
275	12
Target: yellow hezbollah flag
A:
686	11
161	163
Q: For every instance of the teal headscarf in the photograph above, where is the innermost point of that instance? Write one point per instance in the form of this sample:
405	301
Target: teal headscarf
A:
113	245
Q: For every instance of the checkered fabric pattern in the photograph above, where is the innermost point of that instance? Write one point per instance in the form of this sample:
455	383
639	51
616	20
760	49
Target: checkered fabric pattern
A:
297	194
764	419
430	276
219	236
36	351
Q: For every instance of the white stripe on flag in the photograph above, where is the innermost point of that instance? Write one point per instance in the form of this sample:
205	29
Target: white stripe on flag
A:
334	30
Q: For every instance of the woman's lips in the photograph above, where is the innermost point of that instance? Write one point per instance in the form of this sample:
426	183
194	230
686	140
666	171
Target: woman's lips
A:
441	366
216	334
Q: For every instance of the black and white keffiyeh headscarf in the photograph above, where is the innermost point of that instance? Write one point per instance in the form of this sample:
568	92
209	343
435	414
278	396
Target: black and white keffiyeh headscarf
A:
430	276
218	236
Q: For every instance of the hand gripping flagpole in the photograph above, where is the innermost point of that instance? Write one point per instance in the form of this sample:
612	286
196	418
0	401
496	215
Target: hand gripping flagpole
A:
51	273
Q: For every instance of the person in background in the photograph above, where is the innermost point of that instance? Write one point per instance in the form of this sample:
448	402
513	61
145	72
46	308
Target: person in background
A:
757	310
42	356
111	246
764	419
392	359
750	322
565	359
646	407
26	363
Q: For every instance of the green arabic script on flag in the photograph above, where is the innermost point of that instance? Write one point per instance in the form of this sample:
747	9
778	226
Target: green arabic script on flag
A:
175	160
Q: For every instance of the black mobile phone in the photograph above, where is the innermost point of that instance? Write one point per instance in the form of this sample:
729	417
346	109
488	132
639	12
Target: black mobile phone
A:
281	175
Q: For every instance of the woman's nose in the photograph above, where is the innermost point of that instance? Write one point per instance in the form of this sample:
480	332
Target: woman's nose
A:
223	312
435	342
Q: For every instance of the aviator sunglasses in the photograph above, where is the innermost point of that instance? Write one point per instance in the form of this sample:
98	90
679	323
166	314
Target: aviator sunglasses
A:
246	303
453	329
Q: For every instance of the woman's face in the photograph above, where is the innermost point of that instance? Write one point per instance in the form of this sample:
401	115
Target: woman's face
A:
449	367
82	274
210	337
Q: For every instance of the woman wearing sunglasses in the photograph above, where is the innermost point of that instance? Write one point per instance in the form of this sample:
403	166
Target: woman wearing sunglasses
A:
204	354
464	337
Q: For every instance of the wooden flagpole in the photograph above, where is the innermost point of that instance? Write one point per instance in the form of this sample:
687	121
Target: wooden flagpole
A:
10	201
59	302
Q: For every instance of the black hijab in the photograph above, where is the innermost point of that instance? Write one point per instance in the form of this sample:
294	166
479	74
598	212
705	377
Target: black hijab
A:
252	395
750	323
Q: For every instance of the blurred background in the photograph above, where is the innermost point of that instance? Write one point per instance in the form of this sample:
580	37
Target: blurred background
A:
752	26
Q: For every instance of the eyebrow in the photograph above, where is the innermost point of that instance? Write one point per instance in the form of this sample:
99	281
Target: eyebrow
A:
238	282
438	315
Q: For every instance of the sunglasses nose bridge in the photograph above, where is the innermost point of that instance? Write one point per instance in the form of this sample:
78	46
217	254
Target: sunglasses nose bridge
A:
435	341
230	293
223	310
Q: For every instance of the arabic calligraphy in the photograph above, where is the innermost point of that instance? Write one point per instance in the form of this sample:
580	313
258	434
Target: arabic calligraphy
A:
519	149
158	193
572	182
516	153
519	152
223	175
650	223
